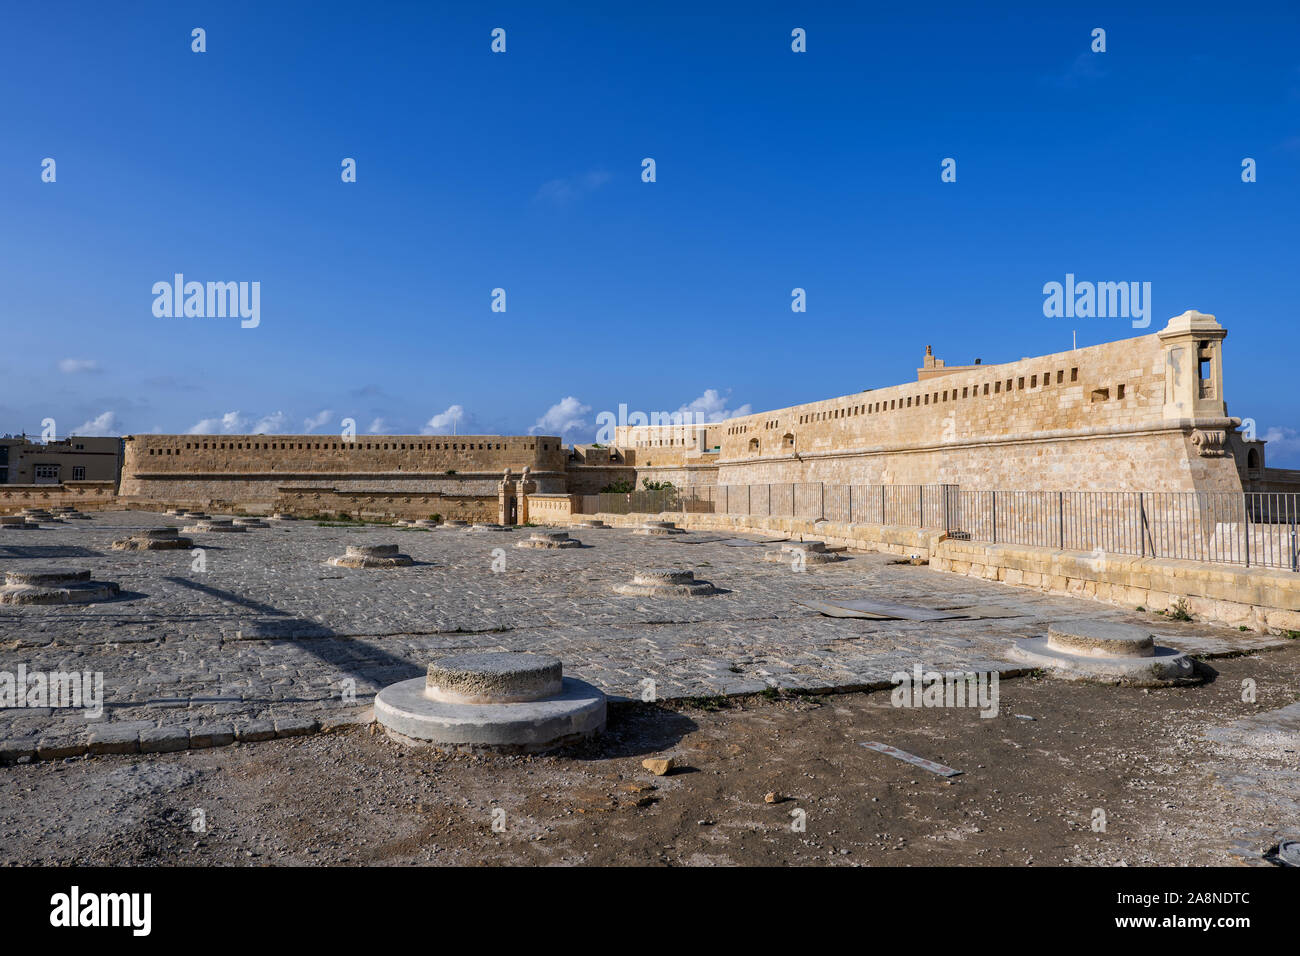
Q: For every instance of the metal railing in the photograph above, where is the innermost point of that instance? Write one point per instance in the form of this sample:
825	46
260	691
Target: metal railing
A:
1247	528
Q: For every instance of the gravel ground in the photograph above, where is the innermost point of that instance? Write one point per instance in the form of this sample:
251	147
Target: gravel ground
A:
1189	776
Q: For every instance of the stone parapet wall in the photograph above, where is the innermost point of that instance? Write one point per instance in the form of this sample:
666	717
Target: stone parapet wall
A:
82	495
552	509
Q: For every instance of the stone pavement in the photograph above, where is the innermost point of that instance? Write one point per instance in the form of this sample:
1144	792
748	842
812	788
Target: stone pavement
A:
268	639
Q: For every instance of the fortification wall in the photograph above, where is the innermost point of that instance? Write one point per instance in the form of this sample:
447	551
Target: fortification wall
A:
1132	414
253	469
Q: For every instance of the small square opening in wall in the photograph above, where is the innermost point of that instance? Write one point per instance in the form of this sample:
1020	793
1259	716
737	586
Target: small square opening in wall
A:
1060	376
1119	391
1074	375
1100	395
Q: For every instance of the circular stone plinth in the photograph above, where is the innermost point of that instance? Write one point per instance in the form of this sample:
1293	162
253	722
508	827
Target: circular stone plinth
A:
424	523
281	516
48	577
665	582
658	530
1100	639
155	539
17	521
408	714
372	556
251	523
489	527
589	524
456	524
493	678
1134	661
549	539
212	527
54	586
791	555
807	546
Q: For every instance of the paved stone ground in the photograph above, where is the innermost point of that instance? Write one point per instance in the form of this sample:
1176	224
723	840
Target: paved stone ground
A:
268	638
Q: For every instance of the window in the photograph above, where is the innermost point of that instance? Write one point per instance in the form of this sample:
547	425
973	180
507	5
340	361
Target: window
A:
78	472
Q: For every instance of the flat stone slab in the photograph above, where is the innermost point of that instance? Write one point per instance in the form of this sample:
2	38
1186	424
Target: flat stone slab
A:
408	714
493	678
489	527
879	610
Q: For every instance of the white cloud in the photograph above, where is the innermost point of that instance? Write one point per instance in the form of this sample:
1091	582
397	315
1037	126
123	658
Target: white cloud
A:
316	421
272	424
567	189
454	416
71	366
378	427
1283	448
105	424
563	418
713	407
231	423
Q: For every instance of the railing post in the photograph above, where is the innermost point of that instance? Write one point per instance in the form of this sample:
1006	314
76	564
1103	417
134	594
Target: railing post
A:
850	503
1295	559
1060	518
823	484
994	535
922	524
1245	503
1142	525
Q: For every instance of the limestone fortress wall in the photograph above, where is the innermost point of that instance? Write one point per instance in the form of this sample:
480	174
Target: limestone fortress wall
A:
456	476
1144	413
1140	414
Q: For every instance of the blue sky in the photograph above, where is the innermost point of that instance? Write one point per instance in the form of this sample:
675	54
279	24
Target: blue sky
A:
522	171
